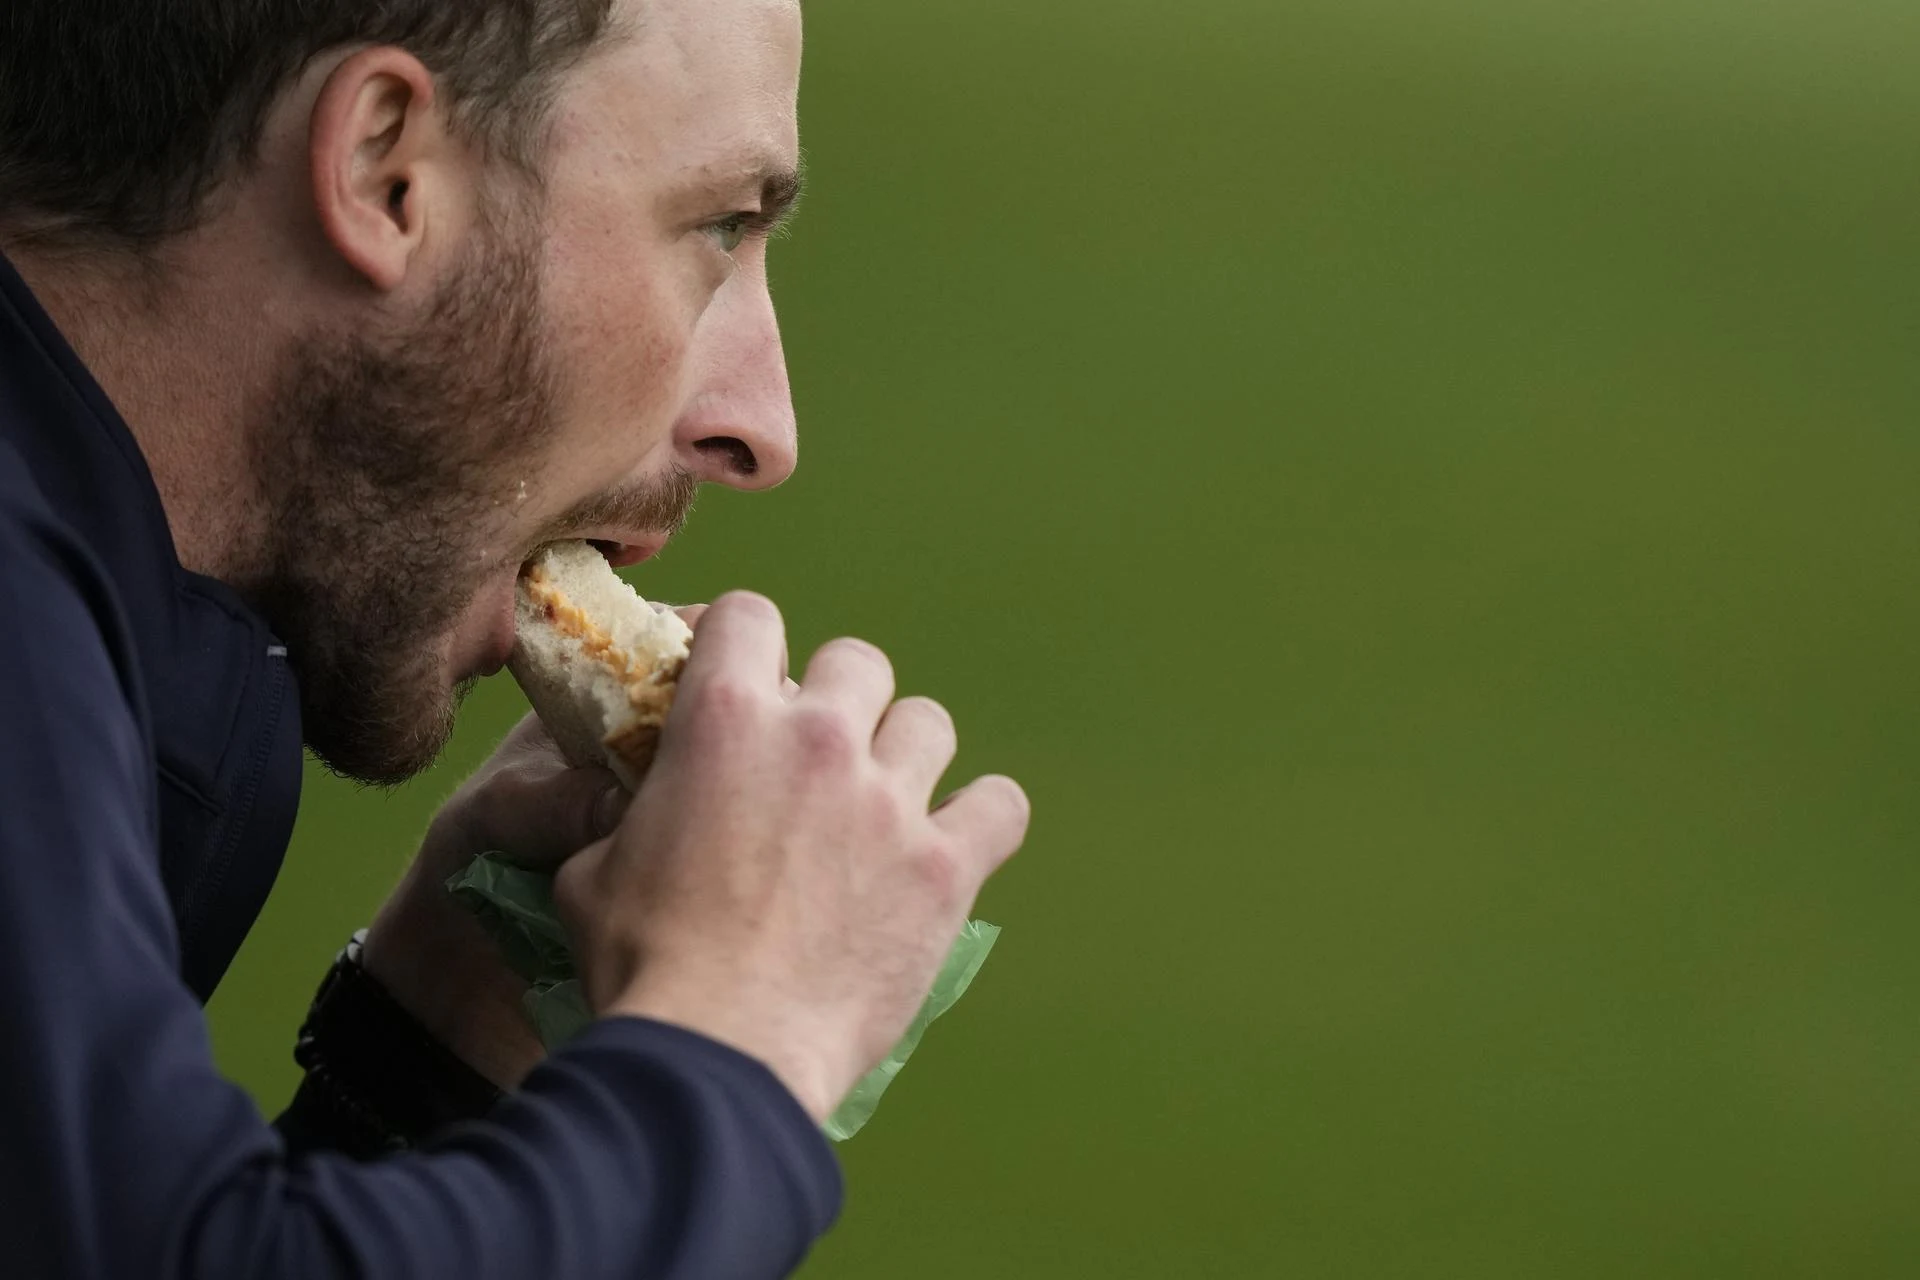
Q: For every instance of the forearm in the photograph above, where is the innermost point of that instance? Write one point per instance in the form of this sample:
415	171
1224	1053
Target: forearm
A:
640	1151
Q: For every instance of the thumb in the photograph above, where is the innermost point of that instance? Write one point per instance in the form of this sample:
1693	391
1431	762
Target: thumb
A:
542	823
576	886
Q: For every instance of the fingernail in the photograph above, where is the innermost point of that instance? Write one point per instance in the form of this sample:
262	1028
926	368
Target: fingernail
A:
608	810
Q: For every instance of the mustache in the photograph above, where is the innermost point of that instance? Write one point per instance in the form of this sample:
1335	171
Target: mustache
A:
655	506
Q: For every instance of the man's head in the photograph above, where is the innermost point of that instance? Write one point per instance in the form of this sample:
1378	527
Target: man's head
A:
482	275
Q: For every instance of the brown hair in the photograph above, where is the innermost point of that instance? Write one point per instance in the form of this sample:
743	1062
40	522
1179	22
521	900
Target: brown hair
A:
118	118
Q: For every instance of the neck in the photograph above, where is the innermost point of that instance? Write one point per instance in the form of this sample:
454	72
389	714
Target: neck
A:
182	349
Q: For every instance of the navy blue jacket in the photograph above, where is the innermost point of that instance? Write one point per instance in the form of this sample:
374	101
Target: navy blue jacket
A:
150	761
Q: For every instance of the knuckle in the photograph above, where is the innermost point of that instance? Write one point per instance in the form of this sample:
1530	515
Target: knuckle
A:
749	604
942	872
1011	797
493	801
725	699
855	649
937	718
576	884
826	736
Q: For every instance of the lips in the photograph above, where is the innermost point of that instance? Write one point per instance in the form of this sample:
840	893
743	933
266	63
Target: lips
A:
501	628
622	555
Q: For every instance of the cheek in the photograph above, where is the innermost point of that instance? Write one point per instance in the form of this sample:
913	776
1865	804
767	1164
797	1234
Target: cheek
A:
622	331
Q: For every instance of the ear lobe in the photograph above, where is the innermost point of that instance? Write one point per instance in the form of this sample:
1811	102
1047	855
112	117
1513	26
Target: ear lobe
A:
374	134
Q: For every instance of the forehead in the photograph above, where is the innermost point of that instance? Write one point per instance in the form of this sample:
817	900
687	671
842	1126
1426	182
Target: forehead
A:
685	87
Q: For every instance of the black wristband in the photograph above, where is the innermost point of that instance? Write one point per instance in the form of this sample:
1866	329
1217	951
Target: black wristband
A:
377	1082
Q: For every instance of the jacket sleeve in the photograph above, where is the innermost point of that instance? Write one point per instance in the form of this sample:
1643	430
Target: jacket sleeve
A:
639	1151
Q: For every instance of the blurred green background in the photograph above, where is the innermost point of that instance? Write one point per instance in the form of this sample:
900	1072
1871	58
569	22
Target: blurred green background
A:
1427	497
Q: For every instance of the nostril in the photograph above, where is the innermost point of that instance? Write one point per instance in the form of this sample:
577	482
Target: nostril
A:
736	454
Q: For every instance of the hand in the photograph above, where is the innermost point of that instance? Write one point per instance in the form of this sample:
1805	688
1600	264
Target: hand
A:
780	884
430	954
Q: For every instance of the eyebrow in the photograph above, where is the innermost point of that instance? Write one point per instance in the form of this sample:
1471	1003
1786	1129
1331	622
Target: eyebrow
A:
780	186
780	193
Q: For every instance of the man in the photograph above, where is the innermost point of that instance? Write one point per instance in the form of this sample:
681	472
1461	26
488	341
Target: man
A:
316	319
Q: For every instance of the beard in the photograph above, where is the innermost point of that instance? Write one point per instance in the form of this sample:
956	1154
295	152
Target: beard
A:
386	461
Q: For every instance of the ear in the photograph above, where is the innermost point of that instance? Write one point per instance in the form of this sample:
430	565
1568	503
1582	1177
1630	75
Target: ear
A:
380	152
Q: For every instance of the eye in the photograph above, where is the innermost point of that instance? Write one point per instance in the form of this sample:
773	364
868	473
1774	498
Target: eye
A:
730	232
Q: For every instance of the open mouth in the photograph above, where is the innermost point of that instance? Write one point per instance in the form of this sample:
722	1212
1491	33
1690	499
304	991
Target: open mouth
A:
619	553
622	554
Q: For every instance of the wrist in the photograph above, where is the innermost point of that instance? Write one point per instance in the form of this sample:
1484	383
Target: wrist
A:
438	965
376	1082
766	1040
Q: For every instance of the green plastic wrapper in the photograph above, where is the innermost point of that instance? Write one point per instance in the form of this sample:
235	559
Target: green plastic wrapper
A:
515	906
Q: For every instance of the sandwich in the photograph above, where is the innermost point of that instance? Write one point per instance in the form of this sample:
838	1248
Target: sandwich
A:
598	663
600	666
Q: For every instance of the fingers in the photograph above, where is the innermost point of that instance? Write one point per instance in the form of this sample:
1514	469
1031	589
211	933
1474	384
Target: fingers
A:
917	739
576	881
743	637
852	675
530	737
989	818
691	614
542	821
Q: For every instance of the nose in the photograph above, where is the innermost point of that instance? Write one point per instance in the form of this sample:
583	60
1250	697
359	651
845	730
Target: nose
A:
738	428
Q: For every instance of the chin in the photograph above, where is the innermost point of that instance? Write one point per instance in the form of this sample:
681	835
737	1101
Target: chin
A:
384	731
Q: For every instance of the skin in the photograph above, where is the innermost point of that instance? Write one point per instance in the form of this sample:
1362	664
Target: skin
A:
781	882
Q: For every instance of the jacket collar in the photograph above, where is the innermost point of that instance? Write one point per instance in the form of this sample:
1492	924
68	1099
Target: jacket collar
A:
221	704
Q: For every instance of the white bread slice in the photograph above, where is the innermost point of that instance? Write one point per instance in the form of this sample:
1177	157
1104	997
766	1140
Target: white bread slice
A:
598	663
